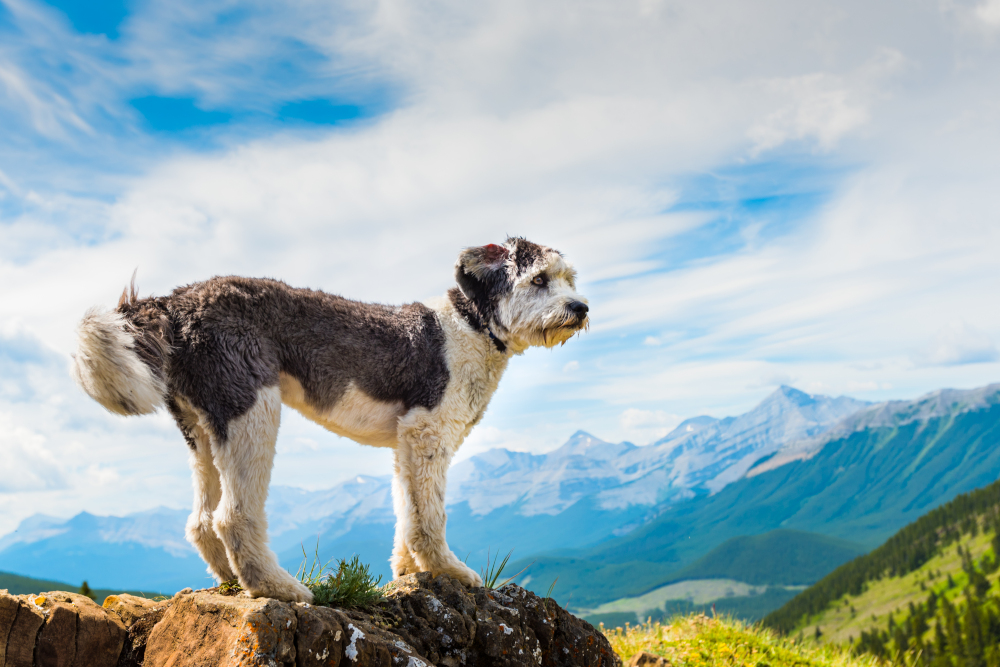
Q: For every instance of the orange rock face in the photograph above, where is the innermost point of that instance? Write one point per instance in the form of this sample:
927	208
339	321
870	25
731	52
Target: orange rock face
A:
58	629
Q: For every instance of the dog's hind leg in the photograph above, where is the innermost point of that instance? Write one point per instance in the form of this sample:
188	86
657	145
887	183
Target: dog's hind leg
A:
422	456
207	491
244	462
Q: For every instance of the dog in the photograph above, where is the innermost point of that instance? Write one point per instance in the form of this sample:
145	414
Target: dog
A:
223	355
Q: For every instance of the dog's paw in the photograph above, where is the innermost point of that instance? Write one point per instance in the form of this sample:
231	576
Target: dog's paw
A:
402	563
464	574
287	589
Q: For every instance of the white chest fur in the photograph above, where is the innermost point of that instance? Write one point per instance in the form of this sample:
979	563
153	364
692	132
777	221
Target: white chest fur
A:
474	367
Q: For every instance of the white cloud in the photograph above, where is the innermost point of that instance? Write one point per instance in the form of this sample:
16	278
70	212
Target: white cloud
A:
959	343
645	426
47	117
29	464
989	12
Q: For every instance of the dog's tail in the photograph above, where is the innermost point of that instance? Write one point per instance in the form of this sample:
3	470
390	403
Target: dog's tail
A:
121	355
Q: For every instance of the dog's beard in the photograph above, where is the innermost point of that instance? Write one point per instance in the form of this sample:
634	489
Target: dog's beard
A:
558	335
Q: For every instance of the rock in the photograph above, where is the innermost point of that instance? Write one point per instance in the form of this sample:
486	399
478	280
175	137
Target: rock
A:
211	629
8	612
139	615
20	635
422	621
58	629
452	625
131	608
647	659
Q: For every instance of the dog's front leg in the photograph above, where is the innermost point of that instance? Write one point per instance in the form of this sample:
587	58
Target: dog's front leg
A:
421	469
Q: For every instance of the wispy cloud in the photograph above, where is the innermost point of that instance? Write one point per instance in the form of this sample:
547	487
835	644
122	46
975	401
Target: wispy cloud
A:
958	343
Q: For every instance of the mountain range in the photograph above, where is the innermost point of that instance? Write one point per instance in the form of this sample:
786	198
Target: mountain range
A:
900	461
610	520
577	495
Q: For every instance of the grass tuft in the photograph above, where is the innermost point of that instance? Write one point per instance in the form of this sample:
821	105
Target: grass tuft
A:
700	641
552	587
492	571
350	585
491	574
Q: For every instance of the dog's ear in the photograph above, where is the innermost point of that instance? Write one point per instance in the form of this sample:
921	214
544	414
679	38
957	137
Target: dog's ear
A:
479	270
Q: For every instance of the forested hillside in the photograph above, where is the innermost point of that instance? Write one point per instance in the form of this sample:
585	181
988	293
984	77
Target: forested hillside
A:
928	596
904	552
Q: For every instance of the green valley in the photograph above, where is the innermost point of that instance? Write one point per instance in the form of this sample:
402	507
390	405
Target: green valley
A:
745	576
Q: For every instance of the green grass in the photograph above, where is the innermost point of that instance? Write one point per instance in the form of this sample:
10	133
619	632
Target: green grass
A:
700	641
899	572
349	585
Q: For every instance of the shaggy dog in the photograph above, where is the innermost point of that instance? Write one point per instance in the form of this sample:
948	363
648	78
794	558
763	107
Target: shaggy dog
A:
224	354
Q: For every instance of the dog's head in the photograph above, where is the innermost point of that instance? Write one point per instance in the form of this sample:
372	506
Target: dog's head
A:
525	292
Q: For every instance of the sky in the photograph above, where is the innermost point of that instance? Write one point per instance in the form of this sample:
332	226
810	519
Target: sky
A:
753	193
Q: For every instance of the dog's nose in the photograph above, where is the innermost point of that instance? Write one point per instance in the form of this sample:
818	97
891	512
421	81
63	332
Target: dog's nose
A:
579	308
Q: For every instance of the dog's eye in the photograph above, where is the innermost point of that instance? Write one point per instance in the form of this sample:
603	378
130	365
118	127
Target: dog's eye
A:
539	280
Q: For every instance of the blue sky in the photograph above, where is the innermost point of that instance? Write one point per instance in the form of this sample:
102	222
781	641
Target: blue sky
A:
753	194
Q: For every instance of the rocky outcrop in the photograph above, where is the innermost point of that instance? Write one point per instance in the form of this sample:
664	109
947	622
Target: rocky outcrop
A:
422	621
57	629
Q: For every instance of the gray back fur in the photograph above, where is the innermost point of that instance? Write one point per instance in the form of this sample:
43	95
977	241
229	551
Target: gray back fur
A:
229	336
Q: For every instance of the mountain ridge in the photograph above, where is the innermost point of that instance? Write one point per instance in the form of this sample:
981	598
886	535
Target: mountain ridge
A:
583	492
862	487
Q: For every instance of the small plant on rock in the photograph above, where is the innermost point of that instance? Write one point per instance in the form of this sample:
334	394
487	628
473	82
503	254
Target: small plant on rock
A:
350	585
231	587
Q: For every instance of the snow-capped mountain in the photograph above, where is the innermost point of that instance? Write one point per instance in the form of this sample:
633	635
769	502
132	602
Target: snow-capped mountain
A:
583	492
940	403
701	454
712	454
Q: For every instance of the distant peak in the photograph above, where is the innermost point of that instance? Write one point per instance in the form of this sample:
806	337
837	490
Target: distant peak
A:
687	427
792	391
786	394
583	443
583	439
